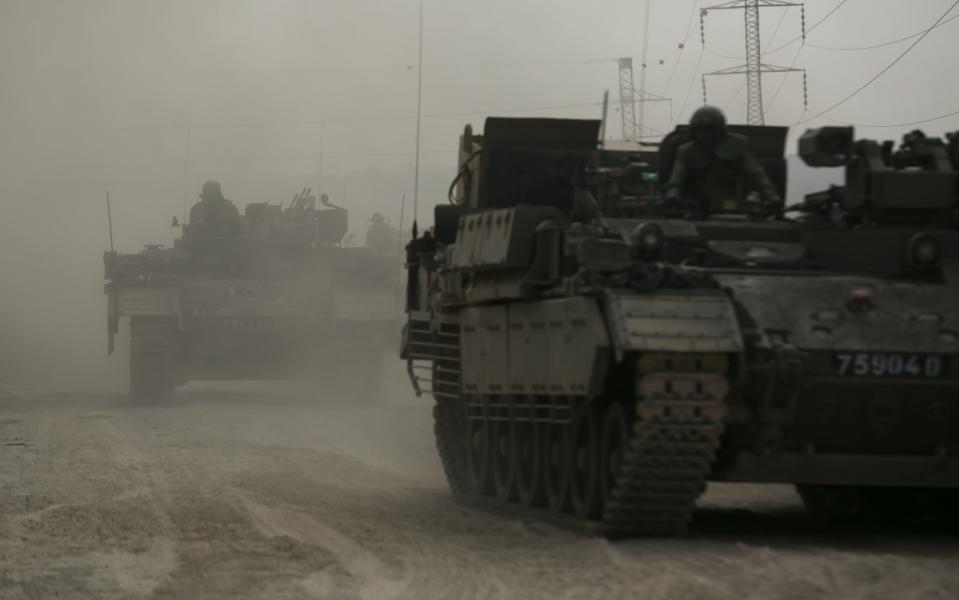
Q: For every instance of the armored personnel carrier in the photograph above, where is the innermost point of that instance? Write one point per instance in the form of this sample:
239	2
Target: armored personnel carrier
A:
590	357
369	291
258	305
369	310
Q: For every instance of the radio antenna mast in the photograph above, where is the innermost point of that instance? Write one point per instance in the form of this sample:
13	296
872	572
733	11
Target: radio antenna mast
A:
419	115
110	220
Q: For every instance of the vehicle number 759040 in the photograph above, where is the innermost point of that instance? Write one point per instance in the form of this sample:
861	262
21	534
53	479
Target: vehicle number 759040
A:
889	364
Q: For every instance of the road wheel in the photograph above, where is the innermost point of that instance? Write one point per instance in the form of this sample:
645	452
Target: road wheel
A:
557	447
153	358
529	462
584	464
478	453
504	455
612	449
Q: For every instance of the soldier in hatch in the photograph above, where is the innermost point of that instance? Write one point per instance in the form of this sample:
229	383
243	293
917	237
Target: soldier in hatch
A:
214	228
214	216
380	237
716	169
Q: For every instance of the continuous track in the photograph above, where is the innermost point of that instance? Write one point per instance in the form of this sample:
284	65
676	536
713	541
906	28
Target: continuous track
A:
672	433
152	358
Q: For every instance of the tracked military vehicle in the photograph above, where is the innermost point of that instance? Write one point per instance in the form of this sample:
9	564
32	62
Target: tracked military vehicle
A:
369	310
590	357
258	305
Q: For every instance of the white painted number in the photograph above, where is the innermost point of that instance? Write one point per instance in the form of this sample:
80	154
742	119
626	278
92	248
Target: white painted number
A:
862	364
844	361
912	366
878	364
894	365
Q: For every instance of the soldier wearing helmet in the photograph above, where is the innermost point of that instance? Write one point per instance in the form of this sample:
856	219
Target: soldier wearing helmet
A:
380	237
716	169
214	217
213	230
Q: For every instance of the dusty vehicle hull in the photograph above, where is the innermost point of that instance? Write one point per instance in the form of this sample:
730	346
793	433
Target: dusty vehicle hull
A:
261	306
581	369
368	297
200	330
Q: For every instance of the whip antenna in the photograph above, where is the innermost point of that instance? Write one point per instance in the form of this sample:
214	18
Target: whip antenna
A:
110	220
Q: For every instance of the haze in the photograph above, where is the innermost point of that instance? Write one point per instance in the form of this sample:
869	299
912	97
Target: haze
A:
694	397
149	99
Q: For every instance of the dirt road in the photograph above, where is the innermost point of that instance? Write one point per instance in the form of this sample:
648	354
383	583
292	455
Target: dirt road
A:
221	494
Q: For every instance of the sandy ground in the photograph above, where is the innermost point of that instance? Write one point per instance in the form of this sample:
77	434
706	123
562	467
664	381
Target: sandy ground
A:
282	494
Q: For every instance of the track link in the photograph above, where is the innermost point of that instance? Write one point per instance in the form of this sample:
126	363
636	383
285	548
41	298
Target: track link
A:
679	422
449	431
678	409
152	358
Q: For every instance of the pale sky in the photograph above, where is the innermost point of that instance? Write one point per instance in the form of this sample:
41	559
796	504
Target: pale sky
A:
256	77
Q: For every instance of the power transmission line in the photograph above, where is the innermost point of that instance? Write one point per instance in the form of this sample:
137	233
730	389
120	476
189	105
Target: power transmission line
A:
884	70
785	77
770	41
682	45
881	44
782	18
691	82
792	64
895	125
689	23
352	120
753	68
811	28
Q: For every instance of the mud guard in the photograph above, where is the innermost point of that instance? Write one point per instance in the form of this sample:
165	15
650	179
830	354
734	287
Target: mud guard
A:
670	322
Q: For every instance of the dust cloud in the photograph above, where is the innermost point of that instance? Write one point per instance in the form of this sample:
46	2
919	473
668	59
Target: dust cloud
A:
150	99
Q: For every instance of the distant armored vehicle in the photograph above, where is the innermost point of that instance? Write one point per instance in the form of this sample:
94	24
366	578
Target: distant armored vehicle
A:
369	306
589	356
255	299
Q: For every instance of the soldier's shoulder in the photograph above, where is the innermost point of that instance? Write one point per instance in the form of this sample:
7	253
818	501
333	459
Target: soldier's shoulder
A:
686	150
733	146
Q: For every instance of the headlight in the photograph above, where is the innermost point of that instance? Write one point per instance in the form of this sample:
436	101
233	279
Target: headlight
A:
649	238
923	250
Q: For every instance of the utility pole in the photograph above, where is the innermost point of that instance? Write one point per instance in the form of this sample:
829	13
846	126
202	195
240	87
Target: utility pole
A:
627	99
642	74
753	68
633	129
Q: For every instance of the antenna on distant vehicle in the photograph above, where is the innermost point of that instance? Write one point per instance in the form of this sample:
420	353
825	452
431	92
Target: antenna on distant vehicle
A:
325	201
602	122
399	230
110	220
113	314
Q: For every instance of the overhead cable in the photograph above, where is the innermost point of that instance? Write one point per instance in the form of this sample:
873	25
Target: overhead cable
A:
885	69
